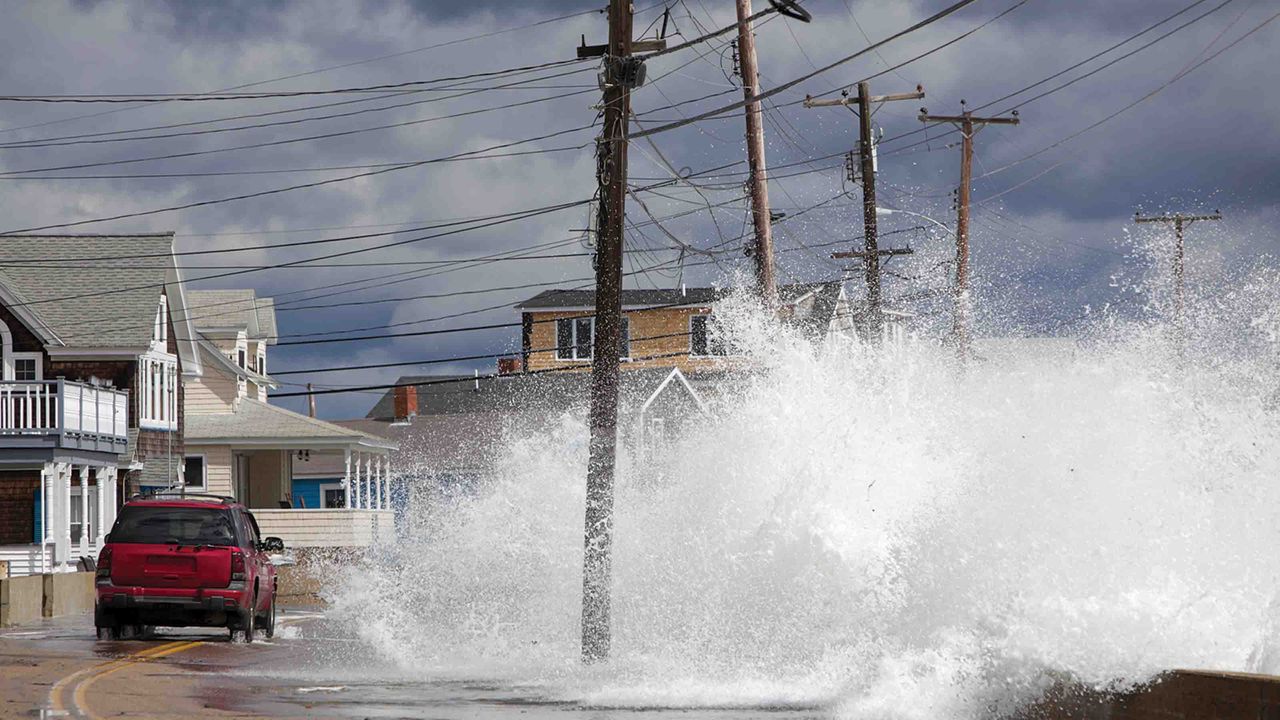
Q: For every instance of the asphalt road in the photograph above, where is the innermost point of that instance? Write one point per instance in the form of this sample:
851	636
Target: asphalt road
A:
309	670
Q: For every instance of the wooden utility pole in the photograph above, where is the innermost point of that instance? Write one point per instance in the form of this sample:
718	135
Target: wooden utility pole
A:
867	162
622	72
968	125
1180	221
766	284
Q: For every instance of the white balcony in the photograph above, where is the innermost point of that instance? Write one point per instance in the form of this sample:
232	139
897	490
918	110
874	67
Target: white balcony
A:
63	414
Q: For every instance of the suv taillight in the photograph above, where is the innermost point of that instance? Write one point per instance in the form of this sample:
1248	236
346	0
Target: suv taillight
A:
237	565
104	563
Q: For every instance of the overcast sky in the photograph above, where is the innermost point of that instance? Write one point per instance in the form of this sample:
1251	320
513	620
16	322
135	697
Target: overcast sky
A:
1052	236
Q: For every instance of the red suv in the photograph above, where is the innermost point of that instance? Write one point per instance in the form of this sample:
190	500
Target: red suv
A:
189	560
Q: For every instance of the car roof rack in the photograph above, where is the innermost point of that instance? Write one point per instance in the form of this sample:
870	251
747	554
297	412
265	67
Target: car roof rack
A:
180	495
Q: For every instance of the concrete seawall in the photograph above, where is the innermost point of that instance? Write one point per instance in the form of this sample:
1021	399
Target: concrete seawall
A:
1175	695
21	600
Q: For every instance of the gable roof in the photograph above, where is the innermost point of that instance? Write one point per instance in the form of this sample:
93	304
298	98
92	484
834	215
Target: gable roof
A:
239	309
121	311
558	299
525	392
255	422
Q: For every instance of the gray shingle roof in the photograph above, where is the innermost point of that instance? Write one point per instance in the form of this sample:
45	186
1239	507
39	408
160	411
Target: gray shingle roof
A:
549	299
120	316
259	421
520	392
233	309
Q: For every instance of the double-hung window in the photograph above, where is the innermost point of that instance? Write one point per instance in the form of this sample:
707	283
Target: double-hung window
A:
158	391
576	336
704	337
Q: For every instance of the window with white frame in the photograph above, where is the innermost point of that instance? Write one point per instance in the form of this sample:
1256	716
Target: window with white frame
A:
704	337
576	336
27	367
77	517
194	473
158	391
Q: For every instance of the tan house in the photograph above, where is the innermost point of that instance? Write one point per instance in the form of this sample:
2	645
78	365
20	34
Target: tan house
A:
664	328
239	445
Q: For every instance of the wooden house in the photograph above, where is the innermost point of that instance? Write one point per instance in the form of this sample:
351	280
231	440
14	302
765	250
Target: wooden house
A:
664	328
94	362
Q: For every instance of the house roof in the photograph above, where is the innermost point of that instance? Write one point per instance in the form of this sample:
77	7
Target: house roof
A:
120	313
252	422
219	359
555	299
522	392
233	310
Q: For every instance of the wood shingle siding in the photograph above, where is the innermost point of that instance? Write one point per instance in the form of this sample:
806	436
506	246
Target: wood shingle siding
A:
669	327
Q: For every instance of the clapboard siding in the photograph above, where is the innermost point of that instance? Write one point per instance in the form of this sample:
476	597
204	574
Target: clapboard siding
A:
213	393
668	328
24	560
217	459
327	528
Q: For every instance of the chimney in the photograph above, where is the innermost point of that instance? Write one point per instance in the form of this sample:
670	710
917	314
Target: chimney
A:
406	402
311	402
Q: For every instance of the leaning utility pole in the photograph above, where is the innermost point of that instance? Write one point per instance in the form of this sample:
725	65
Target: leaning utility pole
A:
766	285
621	73
1180	221
968	125
867	161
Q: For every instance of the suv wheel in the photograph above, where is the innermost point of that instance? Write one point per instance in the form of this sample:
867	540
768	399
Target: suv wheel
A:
242	631
267	621
108	633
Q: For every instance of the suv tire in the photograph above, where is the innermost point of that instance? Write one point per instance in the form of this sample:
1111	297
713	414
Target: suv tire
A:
242	631
267	621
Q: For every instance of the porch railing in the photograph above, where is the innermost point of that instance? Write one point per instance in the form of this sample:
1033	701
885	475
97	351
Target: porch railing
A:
69	411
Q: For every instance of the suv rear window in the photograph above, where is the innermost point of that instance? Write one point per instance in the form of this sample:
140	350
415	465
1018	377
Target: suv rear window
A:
168	525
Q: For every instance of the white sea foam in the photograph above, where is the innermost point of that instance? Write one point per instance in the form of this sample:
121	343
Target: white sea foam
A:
879	534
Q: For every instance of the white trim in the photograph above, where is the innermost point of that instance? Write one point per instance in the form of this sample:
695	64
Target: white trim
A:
102	353
12	365
675	374
6	352
204	471
323	487
24	314
184	330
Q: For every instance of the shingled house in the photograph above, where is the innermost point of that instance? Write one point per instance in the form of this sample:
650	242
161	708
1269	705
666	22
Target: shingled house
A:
94	360
664	328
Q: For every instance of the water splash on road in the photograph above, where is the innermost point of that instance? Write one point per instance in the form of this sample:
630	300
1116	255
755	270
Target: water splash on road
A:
880	534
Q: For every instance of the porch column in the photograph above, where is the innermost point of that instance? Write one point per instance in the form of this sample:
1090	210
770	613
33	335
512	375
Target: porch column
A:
84	510
106	503
346	478
100	504
377	482
368	482
62	545
47	473
385	463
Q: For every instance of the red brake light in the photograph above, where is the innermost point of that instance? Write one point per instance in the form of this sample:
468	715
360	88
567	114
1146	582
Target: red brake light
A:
237	565
104	563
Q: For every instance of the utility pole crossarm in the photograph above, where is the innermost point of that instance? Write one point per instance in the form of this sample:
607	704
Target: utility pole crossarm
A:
1177	218
866	154
810	102
925	117
881	253
967	122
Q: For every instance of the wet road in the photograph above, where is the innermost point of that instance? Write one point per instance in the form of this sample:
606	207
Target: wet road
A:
309	670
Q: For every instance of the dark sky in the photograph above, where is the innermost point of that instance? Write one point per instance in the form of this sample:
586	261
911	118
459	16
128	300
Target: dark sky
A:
1052	236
